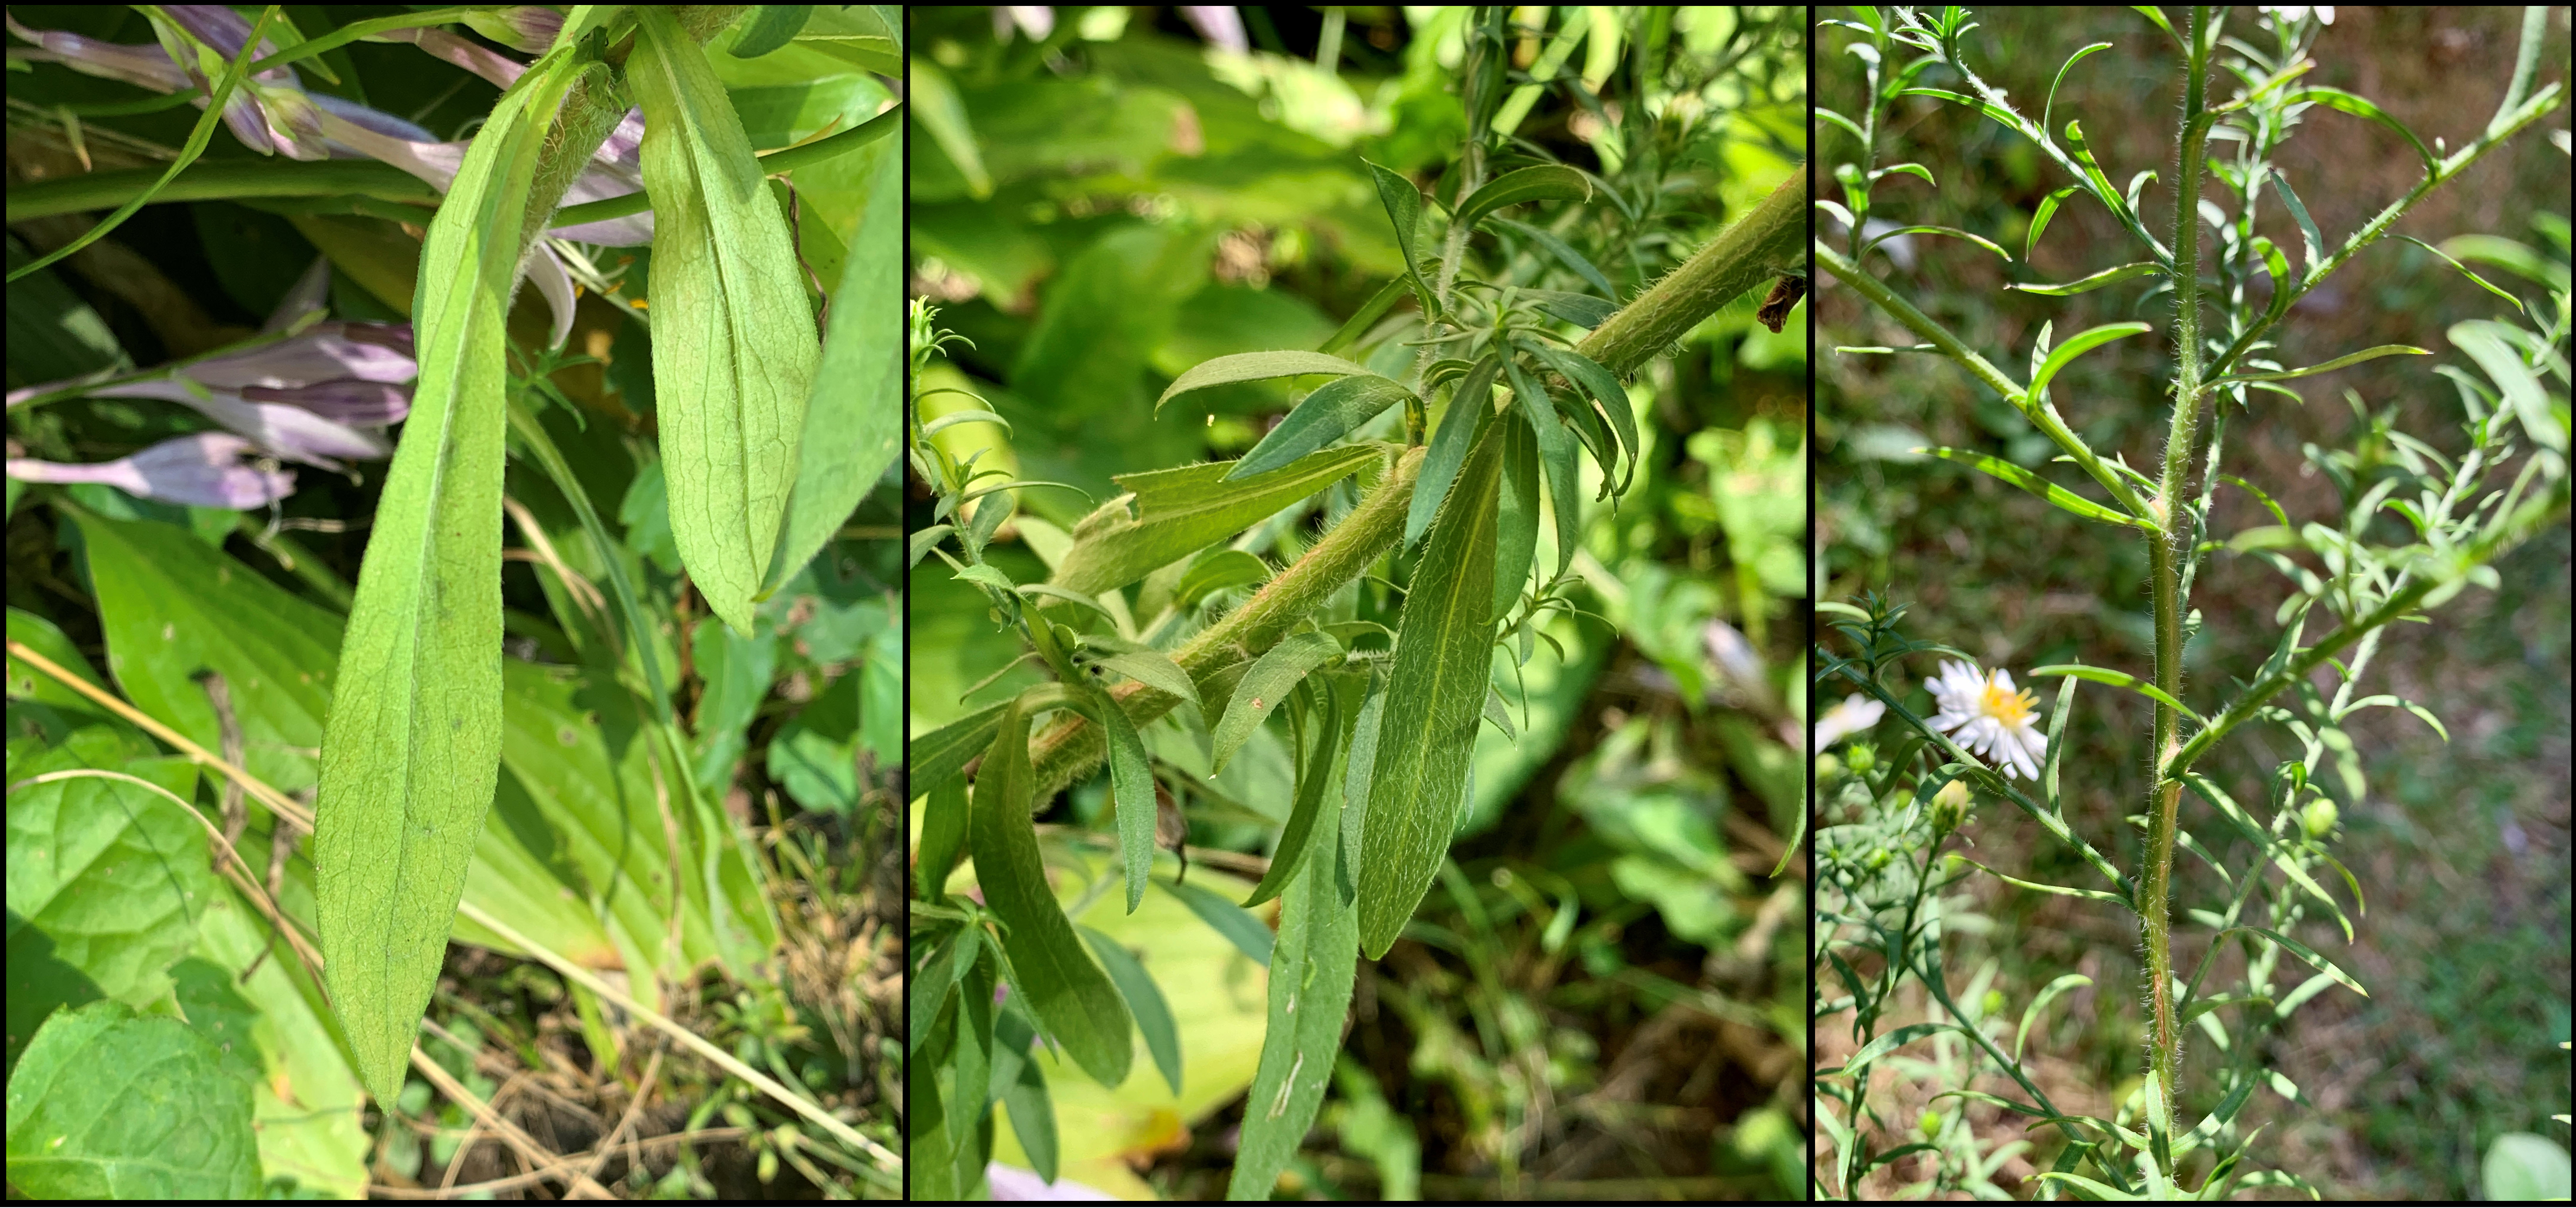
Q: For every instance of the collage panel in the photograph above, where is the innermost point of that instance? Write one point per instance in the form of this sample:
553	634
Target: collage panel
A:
455	635
1357	519
2192	659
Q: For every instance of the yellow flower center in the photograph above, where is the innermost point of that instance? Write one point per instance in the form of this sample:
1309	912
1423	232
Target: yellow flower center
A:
2013	709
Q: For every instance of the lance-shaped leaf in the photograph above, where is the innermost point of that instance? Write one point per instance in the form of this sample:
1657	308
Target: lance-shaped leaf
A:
1433	698
1131	786
2108	276
942	754
1404	209
1184	510
1460	426
1590	377
1516	514
411	746
2118	679
1320	770
1358	324
1556	456
2075	346
2039	486
1312	966
1255	367
734	349
1264	687
855	412
1067	993
1333	409
1545	182
1153	1015
2352	358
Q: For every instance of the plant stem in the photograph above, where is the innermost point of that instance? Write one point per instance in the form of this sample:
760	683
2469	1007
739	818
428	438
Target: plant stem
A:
2168	549
1758	246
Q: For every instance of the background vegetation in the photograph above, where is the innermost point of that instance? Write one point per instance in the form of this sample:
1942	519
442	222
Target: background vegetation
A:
1602	997
2461	846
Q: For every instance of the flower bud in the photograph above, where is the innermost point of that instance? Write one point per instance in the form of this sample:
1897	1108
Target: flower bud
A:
1930	1122
1950	807
2319	818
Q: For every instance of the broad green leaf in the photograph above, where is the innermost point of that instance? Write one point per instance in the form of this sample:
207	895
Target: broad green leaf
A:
1263	689
1255	367
854	413
1556	457
1233	922
1404	209
1433	698
1067	993
1145	999
1181	511
863	35
935	104
1545	182
2075	346
767	27
2108	276
2039	486
1312	966
1332	410
1516	514
734	349
1460	427
1588	376
411	747
108	1105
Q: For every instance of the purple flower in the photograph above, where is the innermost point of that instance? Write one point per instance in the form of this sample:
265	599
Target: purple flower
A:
203	470
1219	24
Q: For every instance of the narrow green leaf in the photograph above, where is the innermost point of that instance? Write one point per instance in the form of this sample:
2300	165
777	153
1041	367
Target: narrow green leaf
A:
2485	342
1255	367
2467	272
1952	232
2077	345
1564	254
2316	241
938	976
942	755
2108	276
1217	570
2336	98
2039	486
2039	219
2117	679
411	747
853	415
2108	899
1181	511
1131	788
1033	1118
1263	689
935	104
1545	182
1404	209
1315	776
972	1066
1333	409
1516	515
734	351
2303	952
2030	1015
1312	967
1066	992
1145	999
1460	427
1603	386
1556	458
1434	695
2048	110
2367	354
1233	922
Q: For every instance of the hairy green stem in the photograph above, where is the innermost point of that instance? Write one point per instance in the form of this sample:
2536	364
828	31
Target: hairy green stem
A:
2168	548
1757	247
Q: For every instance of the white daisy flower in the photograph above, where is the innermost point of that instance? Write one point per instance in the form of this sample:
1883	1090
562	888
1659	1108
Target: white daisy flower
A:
1989	717
1855	714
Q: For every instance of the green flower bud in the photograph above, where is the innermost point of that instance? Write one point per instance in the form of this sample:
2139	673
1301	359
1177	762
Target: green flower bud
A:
1931	1123
1860	757
2319	818
1950	807
1994	1002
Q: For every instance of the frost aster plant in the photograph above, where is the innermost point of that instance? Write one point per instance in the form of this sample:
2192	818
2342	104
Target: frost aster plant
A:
1510	385
2418	519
